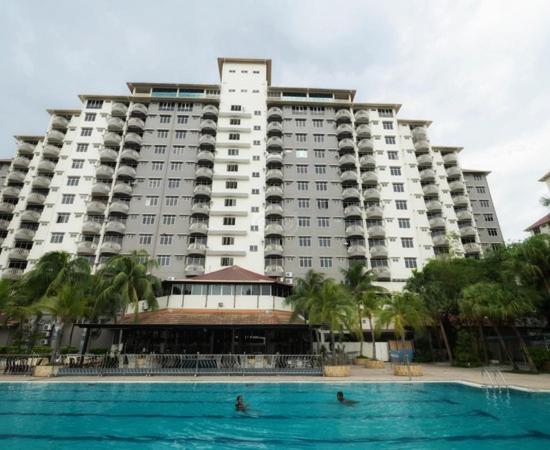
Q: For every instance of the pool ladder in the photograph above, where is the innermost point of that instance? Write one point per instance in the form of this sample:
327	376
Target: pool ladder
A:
492	377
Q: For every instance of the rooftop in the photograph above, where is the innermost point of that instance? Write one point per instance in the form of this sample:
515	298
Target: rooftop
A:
539	223
483	172
231	274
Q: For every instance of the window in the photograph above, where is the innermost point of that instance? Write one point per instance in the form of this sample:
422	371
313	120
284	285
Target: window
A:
401	204
151	201
317	123
255	191
171	201
253	248
164	119
145	239
301	168
94	104
323	222
304	241
163	260
257	127
319	153
185	107
395	170
484	203
157	165
256	142
398	187
63	217
89	117
229	184
407	242
393	155
321	185
305	261
299	109
229	221
230	202
233	151
410	263
67	199
165	106
166	239
159	149
82	148
254	228
226	261
318	138
303	185
255	157
234	121
301	153
324	241
255	209
86	132
320	170
322	203
317	109
404	223
236	108
73	181
148	219
385	112
257	113
303	221
153	182
303	203
389	139
234	136
77	164
387	125
478	177
301	137
300	122
168	219
176	165
492	232
183	119
180	134
488	218
480	189
173	183
57	238
163	134
325	262
178	149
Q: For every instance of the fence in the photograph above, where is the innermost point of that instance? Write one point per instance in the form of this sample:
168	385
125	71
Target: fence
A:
21	364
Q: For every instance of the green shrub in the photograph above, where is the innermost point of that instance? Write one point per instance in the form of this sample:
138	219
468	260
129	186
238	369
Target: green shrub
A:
540	356
10	350
42	349
67	350
98	351
361	357
466	351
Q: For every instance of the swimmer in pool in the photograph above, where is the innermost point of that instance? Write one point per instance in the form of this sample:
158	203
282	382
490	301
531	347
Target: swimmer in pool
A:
343	401
239	404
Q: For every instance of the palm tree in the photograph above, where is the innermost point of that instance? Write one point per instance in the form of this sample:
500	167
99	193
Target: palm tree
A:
305	293
404	310
366	297
126	279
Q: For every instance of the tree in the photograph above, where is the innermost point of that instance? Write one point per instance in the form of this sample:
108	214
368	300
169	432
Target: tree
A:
305	294
403	310
126	279
370	305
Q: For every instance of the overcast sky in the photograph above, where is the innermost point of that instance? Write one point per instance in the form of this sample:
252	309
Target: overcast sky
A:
479	69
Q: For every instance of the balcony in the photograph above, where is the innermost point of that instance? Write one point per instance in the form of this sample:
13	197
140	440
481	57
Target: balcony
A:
136	124
371	194
467	232
126	171
30	216
463	216
198	228
16	177
112	139
24	234
86	248
440	240
115	124
119	109
430	190
208	126
101	189
204	172
273	229
274	142
104	172
119	208
348	176
422	147
346	160
97	208
420	134
210	111
275	113
202	190
24	148
207	141
361	116
200	208
365	146
355	251
138	109
11	192
378	251
450	159
381	273
273	159
374	212
274	209
351	193
367	162
434	205
40	182
133	139
274	192
4	224
19	254
6	208
355	230
472	247
453	173
196	248
363	131
205	156
35	198
376	231
457	186
110	247
369	178
352	211
21	162
193	269
427	175
116	227
51	151
12	273
108	155
273	250
122	189
346	144
460	200
55	137
424	160
343	115
129	155
344	130
274	128
46	166
91	227
437	222
274	271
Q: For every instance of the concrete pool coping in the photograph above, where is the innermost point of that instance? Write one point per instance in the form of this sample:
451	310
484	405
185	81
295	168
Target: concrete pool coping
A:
433	373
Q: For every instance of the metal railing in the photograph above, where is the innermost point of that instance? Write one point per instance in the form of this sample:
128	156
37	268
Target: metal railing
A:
21	364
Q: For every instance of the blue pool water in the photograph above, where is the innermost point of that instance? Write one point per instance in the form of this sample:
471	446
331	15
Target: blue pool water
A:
396	416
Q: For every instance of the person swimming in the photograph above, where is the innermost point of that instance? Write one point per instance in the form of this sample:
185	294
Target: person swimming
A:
344	401
239	404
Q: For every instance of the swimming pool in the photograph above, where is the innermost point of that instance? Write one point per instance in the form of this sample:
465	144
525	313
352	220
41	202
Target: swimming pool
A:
285	415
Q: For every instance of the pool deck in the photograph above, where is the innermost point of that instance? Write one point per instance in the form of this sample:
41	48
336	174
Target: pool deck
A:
432	373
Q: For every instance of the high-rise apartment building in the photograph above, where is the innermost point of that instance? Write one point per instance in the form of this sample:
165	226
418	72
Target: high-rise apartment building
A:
4	169
277	180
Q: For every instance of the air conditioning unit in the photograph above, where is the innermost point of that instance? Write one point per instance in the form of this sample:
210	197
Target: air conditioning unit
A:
220	304
288	274
44	341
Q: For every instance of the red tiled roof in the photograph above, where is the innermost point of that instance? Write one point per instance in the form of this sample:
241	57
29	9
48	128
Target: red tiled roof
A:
233	274
540	222
210	317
